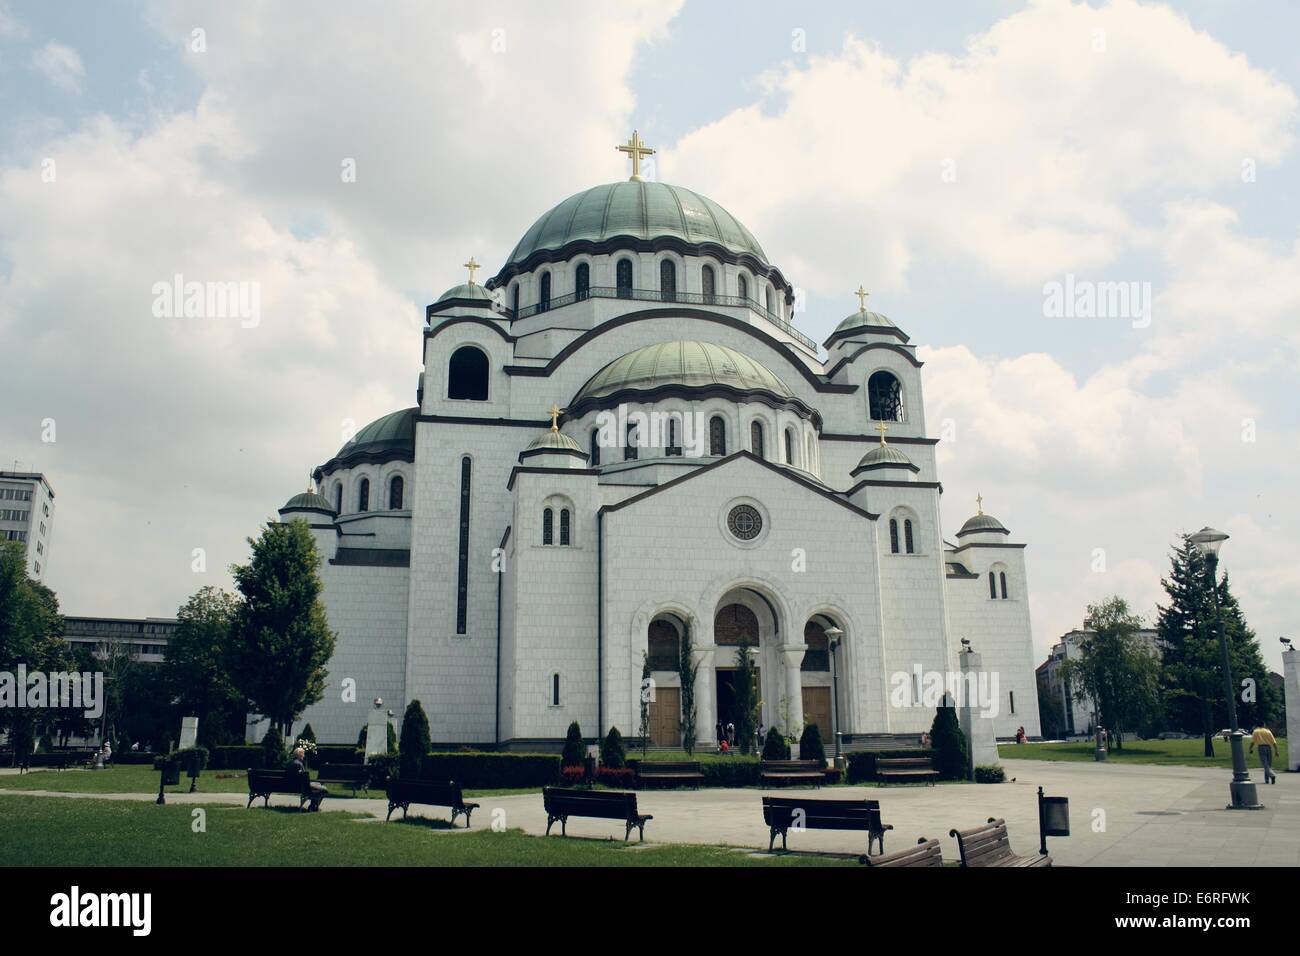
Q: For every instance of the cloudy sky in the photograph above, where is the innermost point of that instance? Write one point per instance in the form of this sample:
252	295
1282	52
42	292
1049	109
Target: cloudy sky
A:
956	158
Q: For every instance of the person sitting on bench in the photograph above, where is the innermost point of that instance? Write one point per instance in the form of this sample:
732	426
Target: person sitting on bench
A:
318	791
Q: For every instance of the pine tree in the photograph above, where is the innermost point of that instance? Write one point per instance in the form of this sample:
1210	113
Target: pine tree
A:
646	686
307	734
810	744
612	752
1192	667
775	746
273	753
414	743
574	749
744	686
949	744
687	669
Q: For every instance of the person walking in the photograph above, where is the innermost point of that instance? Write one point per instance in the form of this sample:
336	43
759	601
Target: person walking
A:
1263	737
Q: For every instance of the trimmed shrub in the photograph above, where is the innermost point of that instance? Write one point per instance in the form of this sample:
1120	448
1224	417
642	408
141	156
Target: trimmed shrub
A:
730	772
620	778
273	755
949	745
574	750
335	753
492	771
775	746
183	757
382	766
415	741
990	773
810	745
237	757
307	734
612	752
572	776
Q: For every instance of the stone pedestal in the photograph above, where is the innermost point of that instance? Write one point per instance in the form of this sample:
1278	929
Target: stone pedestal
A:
1291	686
975	714
189	733
376	732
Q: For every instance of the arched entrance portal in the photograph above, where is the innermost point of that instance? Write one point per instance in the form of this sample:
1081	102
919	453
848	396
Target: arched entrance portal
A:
663	649
744	618
817	680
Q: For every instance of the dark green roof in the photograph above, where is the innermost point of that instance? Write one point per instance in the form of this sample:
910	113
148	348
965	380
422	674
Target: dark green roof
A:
886	456
688	363
393	435
982	522
467	290
640	210
308	501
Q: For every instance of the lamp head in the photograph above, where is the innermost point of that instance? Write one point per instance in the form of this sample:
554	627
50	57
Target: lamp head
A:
834	635
1208	541
1286	642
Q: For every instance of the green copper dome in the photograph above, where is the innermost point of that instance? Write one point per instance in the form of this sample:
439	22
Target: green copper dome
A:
688	363
308	501
467	290
886	456
554	440
982	522
393	435
640	210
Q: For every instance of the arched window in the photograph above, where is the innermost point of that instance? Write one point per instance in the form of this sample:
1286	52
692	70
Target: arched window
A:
663	646
907	535
623	278
467	374
717	436
338	498
668	280
582	281
893	536
818	655
742	287
396	489
564	526
363	495
555	690
708	284
1012	696
462	569
548	531
594	456
884	397
767	298
514	301
789	446
630	446
1002	579
674	449
544	296
993	586
735	625
756	438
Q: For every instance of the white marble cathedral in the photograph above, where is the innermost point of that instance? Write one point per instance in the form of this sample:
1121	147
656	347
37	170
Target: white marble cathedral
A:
621	438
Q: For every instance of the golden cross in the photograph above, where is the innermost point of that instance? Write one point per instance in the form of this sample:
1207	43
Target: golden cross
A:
555	415
472	266
311	486
979	502
862	299
882	428
636	148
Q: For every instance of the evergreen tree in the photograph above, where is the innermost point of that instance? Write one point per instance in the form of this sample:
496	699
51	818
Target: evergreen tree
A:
810	744
744	687
195	672
612	752
948	743
414	743
574	749
687	668
273	753
1192	666
646	687
280	641
307	734
775	746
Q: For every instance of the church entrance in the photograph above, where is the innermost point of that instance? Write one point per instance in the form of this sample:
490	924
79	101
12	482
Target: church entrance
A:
665	717
728	712
817	710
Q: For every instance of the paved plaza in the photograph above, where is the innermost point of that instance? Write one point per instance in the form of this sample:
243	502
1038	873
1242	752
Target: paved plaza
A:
1120	815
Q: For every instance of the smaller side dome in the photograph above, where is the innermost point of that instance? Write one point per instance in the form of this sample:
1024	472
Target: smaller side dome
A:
308	501
885	456
554	449
865	321
982	523
555	440
467	295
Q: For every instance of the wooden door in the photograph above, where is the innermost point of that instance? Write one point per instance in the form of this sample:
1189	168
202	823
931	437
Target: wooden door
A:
665	717
817	710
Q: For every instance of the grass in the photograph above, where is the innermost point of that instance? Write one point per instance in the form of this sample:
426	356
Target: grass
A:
54	831
1174	753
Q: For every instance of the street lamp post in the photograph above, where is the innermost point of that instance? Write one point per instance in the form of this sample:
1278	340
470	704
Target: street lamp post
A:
833	637
1244	796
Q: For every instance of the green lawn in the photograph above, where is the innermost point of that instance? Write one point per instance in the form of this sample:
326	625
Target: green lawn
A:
57	831
1182	753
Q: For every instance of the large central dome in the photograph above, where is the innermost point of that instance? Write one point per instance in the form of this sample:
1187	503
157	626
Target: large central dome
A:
684	363
638	210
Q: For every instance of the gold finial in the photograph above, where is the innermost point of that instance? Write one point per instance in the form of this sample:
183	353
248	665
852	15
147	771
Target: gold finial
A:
636	148
882	428
979	502
472	266
555	416
862	299
311	485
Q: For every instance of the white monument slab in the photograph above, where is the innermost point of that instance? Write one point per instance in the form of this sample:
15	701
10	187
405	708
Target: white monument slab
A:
377	732
975	713
1291	685
189	733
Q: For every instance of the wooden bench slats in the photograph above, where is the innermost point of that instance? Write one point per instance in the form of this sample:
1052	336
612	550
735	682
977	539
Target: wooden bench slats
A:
917	768
925	853
779	813
786	770
263	783
989	845
685	770
561	804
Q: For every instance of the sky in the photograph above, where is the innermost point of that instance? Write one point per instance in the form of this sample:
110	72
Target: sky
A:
961	160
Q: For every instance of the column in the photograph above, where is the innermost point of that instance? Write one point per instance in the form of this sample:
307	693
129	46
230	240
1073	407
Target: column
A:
1291	687
976	722
706	688
794	683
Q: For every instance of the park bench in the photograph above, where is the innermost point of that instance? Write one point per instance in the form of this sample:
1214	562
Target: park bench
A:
791	771
668	771
53	761
606	804
782	813
263	783
988	846
925	853
354	775
403	793
906	768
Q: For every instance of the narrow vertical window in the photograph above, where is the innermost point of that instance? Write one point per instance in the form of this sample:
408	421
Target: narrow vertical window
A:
717	436
338	498
1002	576
547	531
673	448
789	447
544	297
623	278
668	280
396	491
993	587
564	526
462	570
1012	695
555	690
742	287
708	284
594	456
907	535
893	536
363	495
629	447
767	298
582	282
756	438
514	301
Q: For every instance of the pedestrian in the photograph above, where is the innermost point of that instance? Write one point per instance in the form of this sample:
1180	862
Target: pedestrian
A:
731	734
1267	747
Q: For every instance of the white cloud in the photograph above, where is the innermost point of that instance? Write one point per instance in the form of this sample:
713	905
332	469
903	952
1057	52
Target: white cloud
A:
61	65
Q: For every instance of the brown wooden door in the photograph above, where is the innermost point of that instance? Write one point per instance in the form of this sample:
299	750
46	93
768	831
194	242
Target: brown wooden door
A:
665	717
817	710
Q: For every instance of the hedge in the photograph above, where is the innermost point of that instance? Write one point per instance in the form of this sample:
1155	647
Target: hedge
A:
493	771
335	753
990	773
862	763
236	757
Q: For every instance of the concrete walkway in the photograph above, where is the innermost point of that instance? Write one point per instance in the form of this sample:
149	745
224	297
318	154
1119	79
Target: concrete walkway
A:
1119	815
